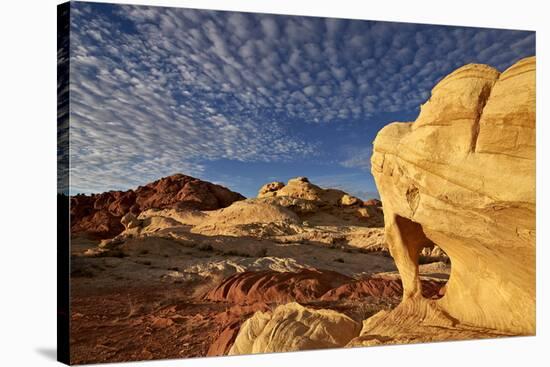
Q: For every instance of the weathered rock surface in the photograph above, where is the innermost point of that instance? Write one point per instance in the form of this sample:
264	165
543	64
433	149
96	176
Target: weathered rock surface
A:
231	321
279	287
353	251
129	221
270	189
99	215
250	217
292	327
305	285
253	290
321	206
324	219
246	265
422	321
379	287
348	200
462	176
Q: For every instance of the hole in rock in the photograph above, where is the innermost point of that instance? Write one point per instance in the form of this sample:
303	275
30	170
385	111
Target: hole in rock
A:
434	269
434	265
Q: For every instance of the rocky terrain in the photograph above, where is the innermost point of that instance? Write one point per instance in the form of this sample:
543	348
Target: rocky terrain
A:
98	215
183	268
187	279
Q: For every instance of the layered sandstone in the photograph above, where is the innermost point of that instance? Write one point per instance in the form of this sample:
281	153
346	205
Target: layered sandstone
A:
462	177
280	287
381	288
306	285
292	327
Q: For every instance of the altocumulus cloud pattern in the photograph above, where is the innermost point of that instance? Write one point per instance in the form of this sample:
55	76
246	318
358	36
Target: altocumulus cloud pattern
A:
161	90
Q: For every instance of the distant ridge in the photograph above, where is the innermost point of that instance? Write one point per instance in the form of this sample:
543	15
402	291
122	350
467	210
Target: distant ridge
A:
98	215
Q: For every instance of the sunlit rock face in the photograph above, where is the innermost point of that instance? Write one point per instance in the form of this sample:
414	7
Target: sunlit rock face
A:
462	176
292	327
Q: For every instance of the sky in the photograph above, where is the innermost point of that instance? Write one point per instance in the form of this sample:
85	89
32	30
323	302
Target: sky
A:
242	99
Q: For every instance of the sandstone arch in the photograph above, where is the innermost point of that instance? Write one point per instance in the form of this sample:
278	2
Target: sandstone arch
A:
463	176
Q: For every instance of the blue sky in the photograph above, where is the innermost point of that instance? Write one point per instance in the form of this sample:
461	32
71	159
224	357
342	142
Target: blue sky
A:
243	99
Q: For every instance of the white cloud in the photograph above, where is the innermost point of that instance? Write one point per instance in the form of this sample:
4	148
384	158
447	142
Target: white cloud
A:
159	90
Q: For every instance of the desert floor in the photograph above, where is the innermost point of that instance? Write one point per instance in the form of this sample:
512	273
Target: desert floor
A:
148	297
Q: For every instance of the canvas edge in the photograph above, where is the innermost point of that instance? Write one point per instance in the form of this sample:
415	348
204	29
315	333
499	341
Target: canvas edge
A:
63	200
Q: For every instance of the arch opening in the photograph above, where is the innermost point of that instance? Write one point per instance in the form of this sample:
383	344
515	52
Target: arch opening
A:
432	264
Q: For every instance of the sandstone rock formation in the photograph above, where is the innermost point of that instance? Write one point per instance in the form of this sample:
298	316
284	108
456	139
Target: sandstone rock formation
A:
226	268
250	217
306	285
270	189
373	202
129	221
347	200
99	215
292	327
320	206
280	287
462	177
421	321
379	287
325	216
231	321
237	241
301	188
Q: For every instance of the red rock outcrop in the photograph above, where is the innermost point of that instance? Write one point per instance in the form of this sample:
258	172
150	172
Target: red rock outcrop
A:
307	285
379	287
98	215
372	202
279	287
